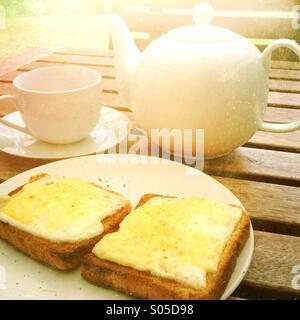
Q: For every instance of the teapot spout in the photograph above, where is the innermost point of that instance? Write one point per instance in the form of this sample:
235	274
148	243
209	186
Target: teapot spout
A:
127	57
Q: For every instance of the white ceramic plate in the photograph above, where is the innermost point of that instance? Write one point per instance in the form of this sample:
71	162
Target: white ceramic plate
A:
133	176
112	129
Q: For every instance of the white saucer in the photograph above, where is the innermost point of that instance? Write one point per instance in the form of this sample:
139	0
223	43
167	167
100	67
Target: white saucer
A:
112	129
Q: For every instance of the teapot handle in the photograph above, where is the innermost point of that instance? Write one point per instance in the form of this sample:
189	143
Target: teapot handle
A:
266	57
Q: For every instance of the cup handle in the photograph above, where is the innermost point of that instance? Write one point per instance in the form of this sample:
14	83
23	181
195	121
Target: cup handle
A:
8	123
266	57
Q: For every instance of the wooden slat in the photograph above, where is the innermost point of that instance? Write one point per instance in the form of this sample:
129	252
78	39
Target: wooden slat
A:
76	59
284	100
255	164
246	163
107	72
6	108
86	52
270	275
258	165
271	214
108	85
11	165
283	74
10	76
15	62
284	86
289	142
142	43
6	88
281	115
112	100
289	65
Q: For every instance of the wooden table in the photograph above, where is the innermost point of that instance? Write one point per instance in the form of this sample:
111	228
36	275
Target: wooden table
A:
264	174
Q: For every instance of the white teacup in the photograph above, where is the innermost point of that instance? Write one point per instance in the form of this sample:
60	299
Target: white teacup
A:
59	105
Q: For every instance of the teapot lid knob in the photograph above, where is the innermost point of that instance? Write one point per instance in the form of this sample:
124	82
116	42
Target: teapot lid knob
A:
203	14
201	31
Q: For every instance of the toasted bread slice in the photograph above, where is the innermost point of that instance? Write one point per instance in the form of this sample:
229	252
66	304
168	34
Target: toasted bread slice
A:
146	285
60	255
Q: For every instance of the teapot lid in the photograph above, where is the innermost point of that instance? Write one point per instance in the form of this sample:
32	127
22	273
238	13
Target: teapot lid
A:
202	31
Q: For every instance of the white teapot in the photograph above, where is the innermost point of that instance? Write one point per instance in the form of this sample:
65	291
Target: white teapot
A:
198	77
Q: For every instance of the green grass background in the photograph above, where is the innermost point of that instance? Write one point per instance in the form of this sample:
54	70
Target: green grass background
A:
51	23
24	33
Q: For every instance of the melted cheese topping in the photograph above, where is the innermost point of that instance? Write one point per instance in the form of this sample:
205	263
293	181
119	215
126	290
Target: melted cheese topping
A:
180	239
60	209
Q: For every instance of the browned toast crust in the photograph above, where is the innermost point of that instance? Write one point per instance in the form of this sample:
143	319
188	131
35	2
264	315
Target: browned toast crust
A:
60	255
147	286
